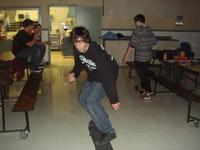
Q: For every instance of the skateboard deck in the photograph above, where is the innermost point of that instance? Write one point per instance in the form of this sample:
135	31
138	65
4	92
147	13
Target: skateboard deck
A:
95	134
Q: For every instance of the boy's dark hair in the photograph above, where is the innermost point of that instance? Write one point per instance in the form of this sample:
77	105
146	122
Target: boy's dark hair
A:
27	22
80	32
139	17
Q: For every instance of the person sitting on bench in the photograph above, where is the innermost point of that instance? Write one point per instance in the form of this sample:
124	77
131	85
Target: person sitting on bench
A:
24	45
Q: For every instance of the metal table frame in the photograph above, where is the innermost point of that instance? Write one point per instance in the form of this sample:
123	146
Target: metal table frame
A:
24	131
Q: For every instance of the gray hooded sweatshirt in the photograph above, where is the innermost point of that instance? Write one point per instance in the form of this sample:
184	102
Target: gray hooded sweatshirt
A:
143	39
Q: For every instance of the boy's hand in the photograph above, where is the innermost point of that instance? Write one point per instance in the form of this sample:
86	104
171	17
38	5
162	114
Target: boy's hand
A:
71	77
35	37
116	106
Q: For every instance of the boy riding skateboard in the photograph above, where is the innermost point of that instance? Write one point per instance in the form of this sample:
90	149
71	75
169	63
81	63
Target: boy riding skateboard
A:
102	71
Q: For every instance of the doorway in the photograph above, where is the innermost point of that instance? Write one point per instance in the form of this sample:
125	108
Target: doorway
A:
62	19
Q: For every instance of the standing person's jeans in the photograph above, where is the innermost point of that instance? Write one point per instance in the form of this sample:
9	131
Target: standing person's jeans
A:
36	53
91	98
141	68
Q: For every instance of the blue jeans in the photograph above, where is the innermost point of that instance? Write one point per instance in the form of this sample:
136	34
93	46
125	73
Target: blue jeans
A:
36	53
91	98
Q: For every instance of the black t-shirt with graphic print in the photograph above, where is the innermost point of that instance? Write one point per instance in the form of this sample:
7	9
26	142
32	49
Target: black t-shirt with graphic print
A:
100	66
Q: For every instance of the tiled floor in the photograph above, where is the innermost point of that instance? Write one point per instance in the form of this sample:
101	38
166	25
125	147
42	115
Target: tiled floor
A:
59	123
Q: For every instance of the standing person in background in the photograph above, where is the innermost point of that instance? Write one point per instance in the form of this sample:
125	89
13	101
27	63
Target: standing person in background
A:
141	42
102	70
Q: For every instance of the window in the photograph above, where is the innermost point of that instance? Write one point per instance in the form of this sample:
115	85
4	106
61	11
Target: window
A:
11	19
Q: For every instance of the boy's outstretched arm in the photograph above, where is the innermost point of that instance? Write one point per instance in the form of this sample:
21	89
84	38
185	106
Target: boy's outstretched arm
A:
108	73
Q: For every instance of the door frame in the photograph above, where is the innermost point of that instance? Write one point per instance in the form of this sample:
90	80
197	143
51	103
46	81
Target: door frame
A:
49	23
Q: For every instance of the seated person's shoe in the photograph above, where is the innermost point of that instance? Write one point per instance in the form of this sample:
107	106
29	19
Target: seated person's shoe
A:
40	67
36	71
42	62
105	138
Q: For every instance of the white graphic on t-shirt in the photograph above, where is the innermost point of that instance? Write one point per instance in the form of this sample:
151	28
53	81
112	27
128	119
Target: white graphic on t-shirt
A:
89	63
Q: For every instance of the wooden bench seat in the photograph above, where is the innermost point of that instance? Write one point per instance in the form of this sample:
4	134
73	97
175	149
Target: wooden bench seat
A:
26	100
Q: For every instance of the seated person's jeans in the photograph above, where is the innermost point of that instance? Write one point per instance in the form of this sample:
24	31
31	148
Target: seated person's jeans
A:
36	53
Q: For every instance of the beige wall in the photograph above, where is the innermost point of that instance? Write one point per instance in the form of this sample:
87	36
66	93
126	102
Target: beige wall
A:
159	14
118	13
33	14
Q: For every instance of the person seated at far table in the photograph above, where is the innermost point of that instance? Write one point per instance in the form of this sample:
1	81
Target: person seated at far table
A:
24	45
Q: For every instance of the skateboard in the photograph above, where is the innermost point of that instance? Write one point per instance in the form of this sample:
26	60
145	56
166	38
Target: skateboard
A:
95	134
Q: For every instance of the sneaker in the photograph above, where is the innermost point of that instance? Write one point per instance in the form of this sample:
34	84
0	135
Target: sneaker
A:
36	71
42	63
147	93
105	138
138	89
147	99
144	93
40	67
150	93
